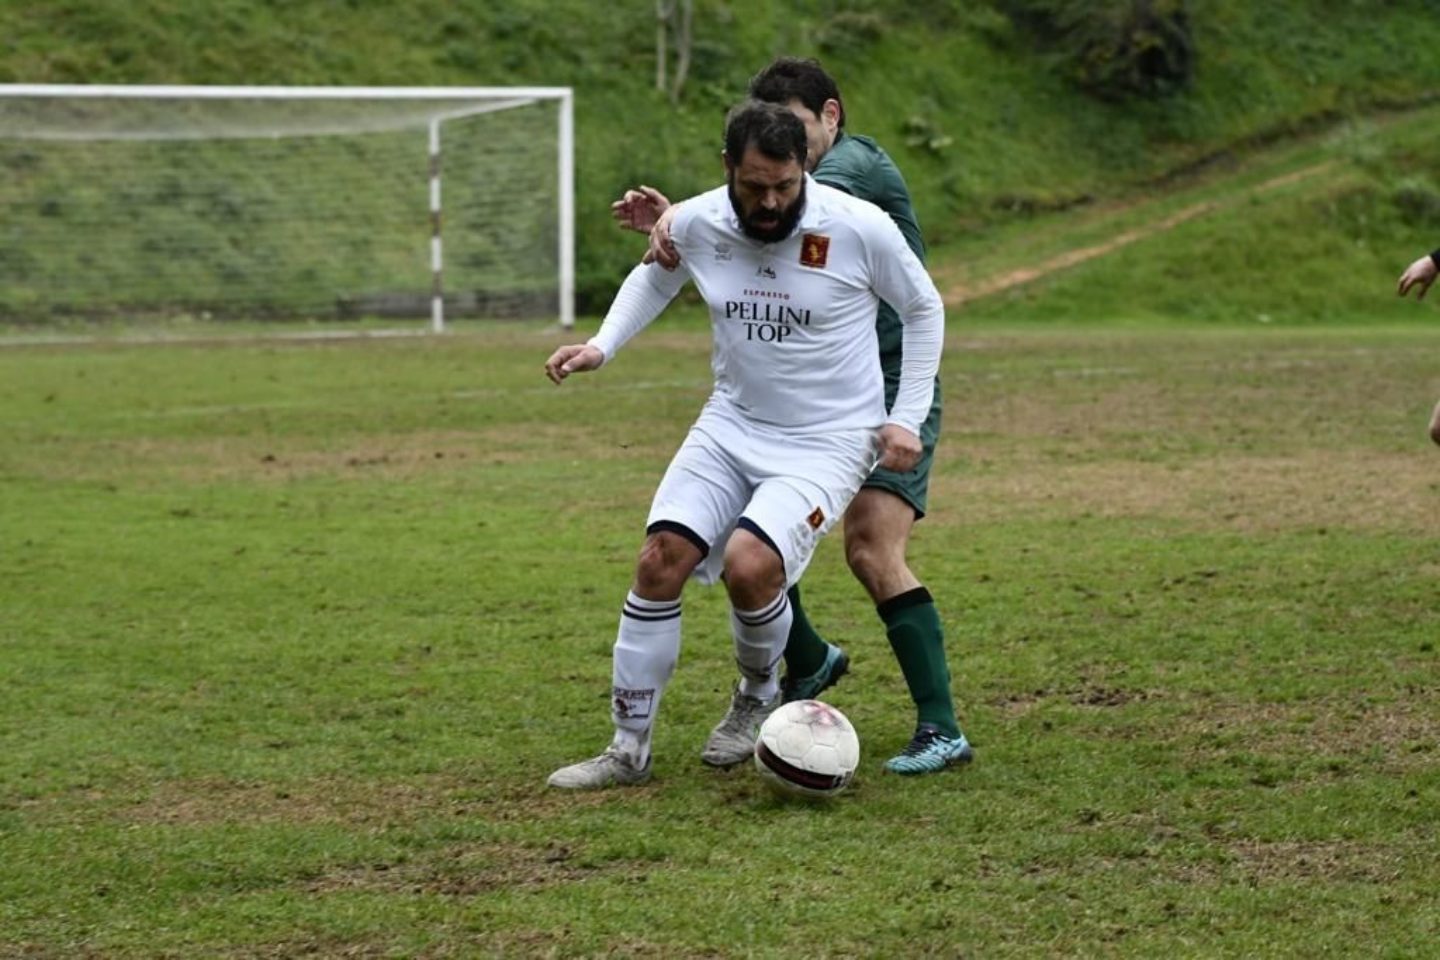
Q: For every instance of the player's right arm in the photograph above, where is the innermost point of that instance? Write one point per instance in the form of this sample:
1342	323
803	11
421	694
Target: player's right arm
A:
572	358
644	295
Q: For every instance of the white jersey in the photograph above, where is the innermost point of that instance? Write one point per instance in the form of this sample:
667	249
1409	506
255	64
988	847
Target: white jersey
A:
794	321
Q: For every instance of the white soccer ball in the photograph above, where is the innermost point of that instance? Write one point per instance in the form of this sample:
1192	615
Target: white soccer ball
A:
807	749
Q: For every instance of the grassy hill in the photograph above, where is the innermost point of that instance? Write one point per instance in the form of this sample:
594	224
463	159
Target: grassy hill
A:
1314	231
983	117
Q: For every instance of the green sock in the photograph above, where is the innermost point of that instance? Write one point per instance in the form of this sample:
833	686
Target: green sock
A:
913	625
804	650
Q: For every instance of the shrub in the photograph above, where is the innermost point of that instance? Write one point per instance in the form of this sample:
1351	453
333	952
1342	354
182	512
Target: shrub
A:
1114	49
1417	201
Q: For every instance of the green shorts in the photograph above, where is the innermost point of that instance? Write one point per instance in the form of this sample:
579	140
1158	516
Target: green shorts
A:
913	485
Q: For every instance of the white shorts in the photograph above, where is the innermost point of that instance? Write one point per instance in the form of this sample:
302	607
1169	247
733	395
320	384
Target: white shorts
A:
792	487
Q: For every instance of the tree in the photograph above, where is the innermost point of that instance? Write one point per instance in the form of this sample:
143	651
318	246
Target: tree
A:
674	27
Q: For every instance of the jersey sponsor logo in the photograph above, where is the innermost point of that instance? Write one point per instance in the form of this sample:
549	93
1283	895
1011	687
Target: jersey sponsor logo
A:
767	322
632	704
814	250
766	271
817	517
722	251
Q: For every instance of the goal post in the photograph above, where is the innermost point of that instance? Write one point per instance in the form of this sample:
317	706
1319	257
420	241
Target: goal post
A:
286	202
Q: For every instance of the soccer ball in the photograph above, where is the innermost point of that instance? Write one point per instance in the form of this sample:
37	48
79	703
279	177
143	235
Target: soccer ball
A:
807	749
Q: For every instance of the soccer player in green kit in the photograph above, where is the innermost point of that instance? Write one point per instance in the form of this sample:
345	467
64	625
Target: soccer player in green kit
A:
880	518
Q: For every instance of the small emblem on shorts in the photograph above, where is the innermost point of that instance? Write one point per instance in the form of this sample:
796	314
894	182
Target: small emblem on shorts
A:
814	250
817	517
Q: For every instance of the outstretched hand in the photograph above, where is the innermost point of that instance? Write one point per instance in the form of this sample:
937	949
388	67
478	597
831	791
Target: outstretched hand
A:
572	358
639	209
900	449
1420	274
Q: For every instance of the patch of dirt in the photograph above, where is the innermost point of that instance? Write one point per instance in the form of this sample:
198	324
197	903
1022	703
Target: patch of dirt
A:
1089	695
1350	489
958	294
398	456
321	947
961	293
1305	860
472	870
1406	733
354	802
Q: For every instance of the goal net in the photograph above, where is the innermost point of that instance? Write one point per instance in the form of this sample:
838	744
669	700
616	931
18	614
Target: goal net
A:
285	203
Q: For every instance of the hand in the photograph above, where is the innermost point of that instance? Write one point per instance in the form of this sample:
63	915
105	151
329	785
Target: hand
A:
638	209
900	449
662	248
1421	272
573	358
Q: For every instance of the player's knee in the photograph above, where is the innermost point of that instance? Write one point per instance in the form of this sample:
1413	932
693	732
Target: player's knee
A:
867	555
666	560
754	573
875	563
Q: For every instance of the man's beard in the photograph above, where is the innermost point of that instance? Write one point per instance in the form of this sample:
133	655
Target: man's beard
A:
782	228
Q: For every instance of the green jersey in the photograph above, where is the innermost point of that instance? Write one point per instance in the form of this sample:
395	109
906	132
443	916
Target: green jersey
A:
862	169
858	166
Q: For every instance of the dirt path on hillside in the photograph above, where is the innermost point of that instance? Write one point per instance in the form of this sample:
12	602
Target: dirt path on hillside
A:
958	294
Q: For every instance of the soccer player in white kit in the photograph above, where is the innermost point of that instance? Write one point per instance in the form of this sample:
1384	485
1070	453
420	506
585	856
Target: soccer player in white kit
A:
792	272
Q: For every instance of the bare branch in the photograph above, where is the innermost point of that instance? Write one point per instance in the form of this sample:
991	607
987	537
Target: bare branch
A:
684	38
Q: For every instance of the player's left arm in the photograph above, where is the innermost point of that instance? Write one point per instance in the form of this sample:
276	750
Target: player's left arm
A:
900	279
639	208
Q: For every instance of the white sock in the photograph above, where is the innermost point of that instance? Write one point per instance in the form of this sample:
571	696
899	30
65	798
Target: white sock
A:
646	650
759	644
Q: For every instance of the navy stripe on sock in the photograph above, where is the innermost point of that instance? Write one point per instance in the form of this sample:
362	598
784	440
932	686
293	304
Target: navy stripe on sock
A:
761	617
668	611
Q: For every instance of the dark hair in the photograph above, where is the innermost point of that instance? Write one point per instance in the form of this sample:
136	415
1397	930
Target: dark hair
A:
795	78
768	127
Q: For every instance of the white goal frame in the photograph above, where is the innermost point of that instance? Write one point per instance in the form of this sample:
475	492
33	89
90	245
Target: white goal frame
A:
491	98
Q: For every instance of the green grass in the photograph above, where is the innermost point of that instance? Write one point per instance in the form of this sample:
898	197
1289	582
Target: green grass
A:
293	633
293	630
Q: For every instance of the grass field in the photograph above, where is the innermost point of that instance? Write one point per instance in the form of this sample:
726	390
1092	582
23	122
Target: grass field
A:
293	632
